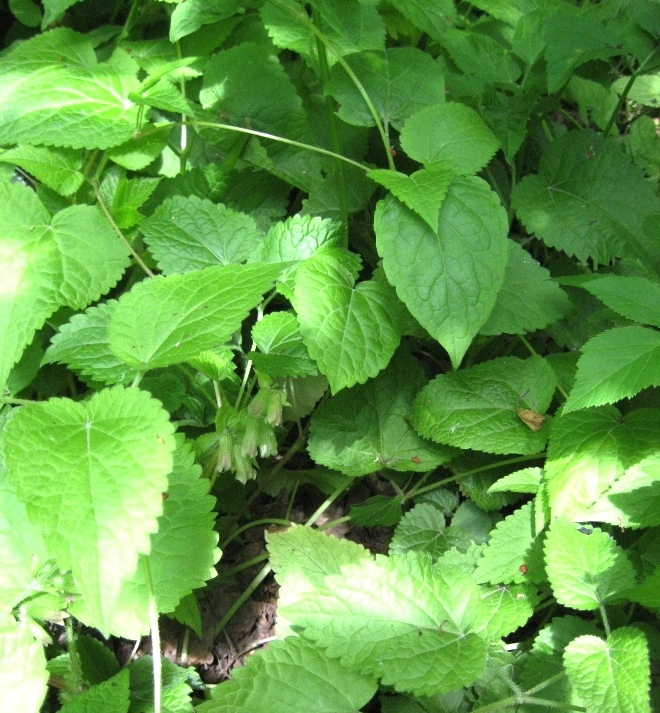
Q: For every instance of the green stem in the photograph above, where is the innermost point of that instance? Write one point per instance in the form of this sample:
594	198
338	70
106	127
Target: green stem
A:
626	91
136	381
325	504
287	515
155	634
527	698
332	523
606	623
546	130
74	657
129	22
239	602
115	227
183	156
244	565
273	137
17	402
330	110
254	523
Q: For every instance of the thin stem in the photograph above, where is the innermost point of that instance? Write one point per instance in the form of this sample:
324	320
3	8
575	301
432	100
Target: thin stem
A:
527	698
115	227
137	379
287	515
545	684
606	623
325	504
570	117
254	523
273	137
332	523
155	634
239	602
244	565
74	658
129	22
183	156
17	402
546	130
551	704
533	352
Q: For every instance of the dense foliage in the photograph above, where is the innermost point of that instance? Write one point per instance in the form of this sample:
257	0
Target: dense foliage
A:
247	246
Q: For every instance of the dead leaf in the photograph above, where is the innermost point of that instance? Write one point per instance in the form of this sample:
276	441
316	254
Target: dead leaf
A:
530	418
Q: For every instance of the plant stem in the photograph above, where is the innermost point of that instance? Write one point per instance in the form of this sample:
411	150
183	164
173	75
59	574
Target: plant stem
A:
239	602
606	623
183	156
245	565
125	30
17	402
155	634
332	523
74	658
115	227
546	130
527	698
326	503
254	523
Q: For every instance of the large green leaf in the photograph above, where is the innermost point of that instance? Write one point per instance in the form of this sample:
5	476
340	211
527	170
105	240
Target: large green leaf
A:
477	54
430	16
449	278
529	298
69	259
478	407
399	82
92	476
58	169
299	237
366	428
586	569
183	551
48	99
588	200
614	365
291	676
634	297
111	696
450	136
23	675
167	320
610	676
186	234
351	332
589	452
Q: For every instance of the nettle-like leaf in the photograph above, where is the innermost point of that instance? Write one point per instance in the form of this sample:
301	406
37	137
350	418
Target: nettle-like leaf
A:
176	686
186	234
450	136
449	278
298	238
320	684
633	297
479	55
589	452
588	200
124	196
167	320
399	82
514	552
422	191
526	480
190	16
478	407
281	349
58	169
366	428
611	676
58	99
69	259
529	298
377	510
82	344
92	477
616	364
23	676
183	551
351	332
431	16
586	569
422	529
111	696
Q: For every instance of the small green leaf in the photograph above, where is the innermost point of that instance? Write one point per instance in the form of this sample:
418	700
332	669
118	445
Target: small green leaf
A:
529	298
53	9
633	297
142	149
23	675
378	510
58	169
430	16
526	480
193	14
449	278
26	12
111	696
422	529
450	136
298	238
167	320
97	469
265	683
366	428
422	191
123	196
611	676
614	365
585	570
351	332
176	686
186	234
479	55
477	407
281	349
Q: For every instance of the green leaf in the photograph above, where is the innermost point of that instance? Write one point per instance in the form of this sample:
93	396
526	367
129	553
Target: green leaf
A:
111	696
351	332
82	344
514	544
58	169
529	298
648	592
422	191
54	9
633	297
481	56
298	238
186	234
589	452
47	100
366	428
610	676
643	144
98	469
291	676
526	480
281	349
614	365
585	570
140	150
193	14
422	529
378	510
176	686
26	12
388	602
23	675
588	200
123	196
44	264
477	407
430	16
167	320
644	91
449	136
187	613
399	82
183	551
449	278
